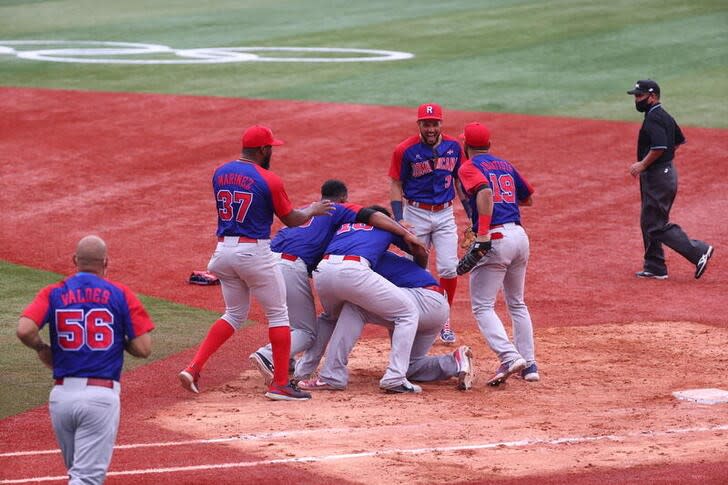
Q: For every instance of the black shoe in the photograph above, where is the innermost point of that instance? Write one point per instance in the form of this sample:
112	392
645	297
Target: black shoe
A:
703	263
651	275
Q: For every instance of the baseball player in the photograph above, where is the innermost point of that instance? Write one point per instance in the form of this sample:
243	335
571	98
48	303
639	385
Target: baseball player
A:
432	311
247	196
424	170
496	190
92	321
345	275
659	137
299	250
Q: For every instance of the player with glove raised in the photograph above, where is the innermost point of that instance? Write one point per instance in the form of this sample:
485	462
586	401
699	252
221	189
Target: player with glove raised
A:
499	255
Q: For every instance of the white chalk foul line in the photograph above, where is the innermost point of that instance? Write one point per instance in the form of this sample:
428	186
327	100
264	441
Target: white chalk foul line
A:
394	451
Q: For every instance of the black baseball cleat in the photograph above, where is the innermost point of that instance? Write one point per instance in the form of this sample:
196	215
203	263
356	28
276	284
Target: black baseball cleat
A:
651	275
703	263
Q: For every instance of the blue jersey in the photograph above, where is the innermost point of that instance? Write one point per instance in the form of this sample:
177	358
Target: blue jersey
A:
427	173
363	240
91	319
506	183
247	196
309	240
403	272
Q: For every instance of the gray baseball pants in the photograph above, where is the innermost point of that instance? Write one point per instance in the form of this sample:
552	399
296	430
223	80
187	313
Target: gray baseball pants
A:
339	281
432	310
85	420
504	267
301	307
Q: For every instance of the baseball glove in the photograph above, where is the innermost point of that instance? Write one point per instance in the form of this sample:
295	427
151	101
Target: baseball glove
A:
474	254
468	237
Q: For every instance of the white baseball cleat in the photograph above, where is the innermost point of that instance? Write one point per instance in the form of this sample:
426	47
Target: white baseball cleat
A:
466	372
188	378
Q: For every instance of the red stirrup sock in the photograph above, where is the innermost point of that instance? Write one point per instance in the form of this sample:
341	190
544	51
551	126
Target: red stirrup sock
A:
449	284
280	341
216	336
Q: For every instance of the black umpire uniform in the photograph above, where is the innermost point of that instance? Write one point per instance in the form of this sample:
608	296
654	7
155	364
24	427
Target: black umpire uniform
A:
658	186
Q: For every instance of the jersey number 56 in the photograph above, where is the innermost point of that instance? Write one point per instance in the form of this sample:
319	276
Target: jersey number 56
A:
74	329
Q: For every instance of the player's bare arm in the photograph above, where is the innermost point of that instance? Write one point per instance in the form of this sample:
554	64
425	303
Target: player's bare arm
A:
140	346
300	216
419	254
381	221
638	167
484	202
527	202
460	193
29	334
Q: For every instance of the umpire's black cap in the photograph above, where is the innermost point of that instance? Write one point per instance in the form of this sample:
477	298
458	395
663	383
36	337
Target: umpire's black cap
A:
645	86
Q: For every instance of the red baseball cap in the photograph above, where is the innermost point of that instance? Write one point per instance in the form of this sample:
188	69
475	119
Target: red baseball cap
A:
476	135
259	136
429	111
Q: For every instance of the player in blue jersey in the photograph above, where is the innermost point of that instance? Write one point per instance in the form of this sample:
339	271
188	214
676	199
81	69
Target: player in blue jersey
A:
247	196
432	311
345	275
496	191
299	250
424	171
92	321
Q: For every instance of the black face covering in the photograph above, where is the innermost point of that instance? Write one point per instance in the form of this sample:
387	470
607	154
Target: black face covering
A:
643	105
265	163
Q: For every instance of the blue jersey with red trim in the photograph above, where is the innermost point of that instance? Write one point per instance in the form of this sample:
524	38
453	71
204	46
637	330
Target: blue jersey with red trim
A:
363	240
90	318
427	173
247	196
403	272
507	185
308	241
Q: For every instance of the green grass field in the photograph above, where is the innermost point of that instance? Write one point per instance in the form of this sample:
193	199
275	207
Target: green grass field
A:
25	381
563	57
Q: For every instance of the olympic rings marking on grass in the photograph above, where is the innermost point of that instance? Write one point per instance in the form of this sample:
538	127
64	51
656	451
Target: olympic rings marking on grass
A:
94	52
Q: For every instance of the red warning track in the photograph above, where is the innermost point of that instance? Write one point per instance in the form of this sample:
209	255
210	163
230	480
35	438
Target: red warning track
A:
136	170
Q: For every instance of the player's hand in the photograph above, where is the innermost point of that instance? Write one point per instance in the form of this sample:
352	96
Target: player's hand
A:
46	356
406	225
636	168
321	208
415	242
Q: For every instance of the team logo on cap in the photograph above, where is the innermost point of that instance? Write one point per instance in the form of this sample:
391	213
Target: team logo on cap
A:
429	110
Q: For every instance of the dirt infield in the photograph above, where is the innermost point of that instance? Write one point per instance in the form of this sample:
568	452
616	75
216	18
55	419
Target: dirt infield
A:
604	402
611	348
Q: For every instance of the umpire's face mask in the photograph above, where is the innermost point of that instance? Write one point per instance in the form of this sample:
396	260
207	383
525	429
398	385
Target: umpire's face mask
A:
643	104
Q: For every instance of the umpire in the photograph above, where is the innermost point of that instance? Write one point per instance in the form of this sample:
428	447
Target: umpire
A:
659	136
